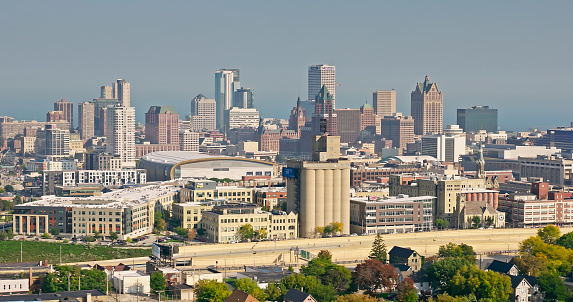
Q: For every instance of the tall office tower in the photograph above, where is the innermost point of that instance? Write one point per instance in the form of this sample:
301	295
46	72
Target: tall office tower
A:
226	82
324	110
444	147
100	108
478	118
68	109
120	124
86	122
57	141
368	118
244	98
318	190
384	102
162	125
188	140
427	108
203	113
55	116
297	118
319	76
348	124
107	92
241	118
399	129
123	92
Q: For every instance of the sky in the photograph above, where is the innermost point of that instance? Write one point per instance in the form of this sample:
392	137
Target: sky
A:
515	56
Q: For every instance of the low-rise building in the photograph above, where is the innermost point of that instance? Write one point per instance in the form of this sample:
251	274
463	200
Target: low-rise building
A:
270	197
203	190
91	177
131	282
407	256
14	286
191	213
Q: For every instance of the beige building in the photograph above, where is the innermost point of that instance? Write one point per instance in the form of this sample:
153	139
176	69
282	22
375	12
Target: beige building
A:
222	224
384	102
399	129
231	193
191	213
27	143
86	122
427	108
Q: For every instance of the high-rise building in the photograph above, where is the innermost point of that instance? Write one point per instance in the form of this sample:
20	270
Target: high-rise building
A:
100	108
188	140
444	147
226	82
348	124
162	125
324	110
86	122
57	142
55	116
121	134
399	129
478	118
123	92
368	119
244	98
319	191
241	118
297	117
384	102
68	111
427	108
319	76
108	92
203	113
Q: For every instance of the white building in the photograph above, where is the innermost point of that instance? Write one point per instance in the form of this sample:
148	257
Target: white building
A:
320	75
444	147
226	82
240	118
131	282
123	92
57	142
487	137
188	140
14	286
514	152
383	102
121	134
203	113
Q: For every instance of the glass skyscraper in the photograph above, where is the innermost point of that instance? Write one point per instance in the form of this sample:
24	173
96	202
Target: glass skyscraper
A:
478	118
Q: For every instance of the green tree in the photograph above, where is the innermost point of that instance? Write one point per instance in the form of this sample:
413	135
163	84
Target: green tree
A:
489	221
328	273
441	223
9	188
442	271
90	239
10	233
58	280
378	250
566	240
246	232
356	298
251	287
273	292
325	255
486	286
445	297
113	236
129	240
530	265
558	258
17	199
3	236
159	222
549	234
373	275
455	251
407	291
183	232
55	231
476	221
157	281
554	287
211	291
46	236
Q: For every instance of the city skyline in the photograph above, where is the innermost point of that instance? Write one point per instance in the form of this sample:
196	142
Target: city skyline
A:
488	48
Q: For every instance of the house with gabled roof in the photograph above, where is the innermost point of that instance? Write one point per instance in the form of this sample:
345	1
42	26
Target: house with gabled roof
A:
295	295
240	296
501	267
407	256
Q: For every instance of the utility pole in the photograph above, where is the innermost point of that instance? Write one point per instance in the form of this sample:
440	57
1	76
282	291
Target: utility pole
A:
21	254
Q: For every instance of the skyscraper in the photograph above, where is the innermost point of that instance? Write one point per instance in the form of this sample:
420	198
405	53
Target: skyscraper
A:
348	124
297	118
57	141
324	110
107	92
244	98
427	108
121	134
123	92
86	122
384	102
226	82
399	129
68	111
203	113
321	75
478	118
162	125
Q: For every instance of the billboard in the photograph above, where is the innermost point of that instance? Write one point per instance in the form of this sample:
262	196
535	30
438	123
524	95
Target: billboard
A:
289	172
161	251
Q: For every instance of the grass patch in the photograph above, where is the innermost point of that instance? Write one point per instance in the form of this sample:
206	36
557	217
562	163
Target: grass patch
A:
172	240
37	250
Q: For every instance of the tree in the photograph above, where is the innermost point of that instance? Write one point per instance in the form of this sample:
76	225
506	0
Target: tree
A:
58	280
311	285
373	275
97	235
489	286
553	286
157	281
90	239
530	265
489	221
10	233
476	221
55	231
159	222
324	255
3	236
129	240
261	234
191	234
328	273
17	199
9	188
454	250
251	287
211	291
406	291
549	234
181	231
356	298
46	236
442	271
336	227
558	258
246	232
273	292
441	223
566	240
444	297
113	236
378	250
319	229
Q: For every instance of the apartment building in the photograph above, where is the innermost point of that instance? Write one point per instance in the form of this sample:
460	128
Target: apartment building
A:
203	190
191	213
271	197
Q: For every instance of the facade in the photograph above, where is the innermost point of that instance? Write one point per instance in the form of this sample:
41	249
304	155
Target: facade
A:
269	140
14	286
324	112
226	82
117	178
9	127
162	125
86	121
241	118
553	169
203	113
348	124
319	76
188	140
127	212
444	147
123	92
146	148
100	108
384	102
369	120
244	98
121	134
57	142
224	221
478	118
389	215
131	282
399	129
67	109
406	256
191	213
205	190
298	117
363	173
427	108
271	197
55	116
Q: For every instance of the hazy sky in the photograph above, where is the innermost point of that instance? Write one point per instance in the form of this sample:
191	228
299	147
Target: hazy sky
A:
516	56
